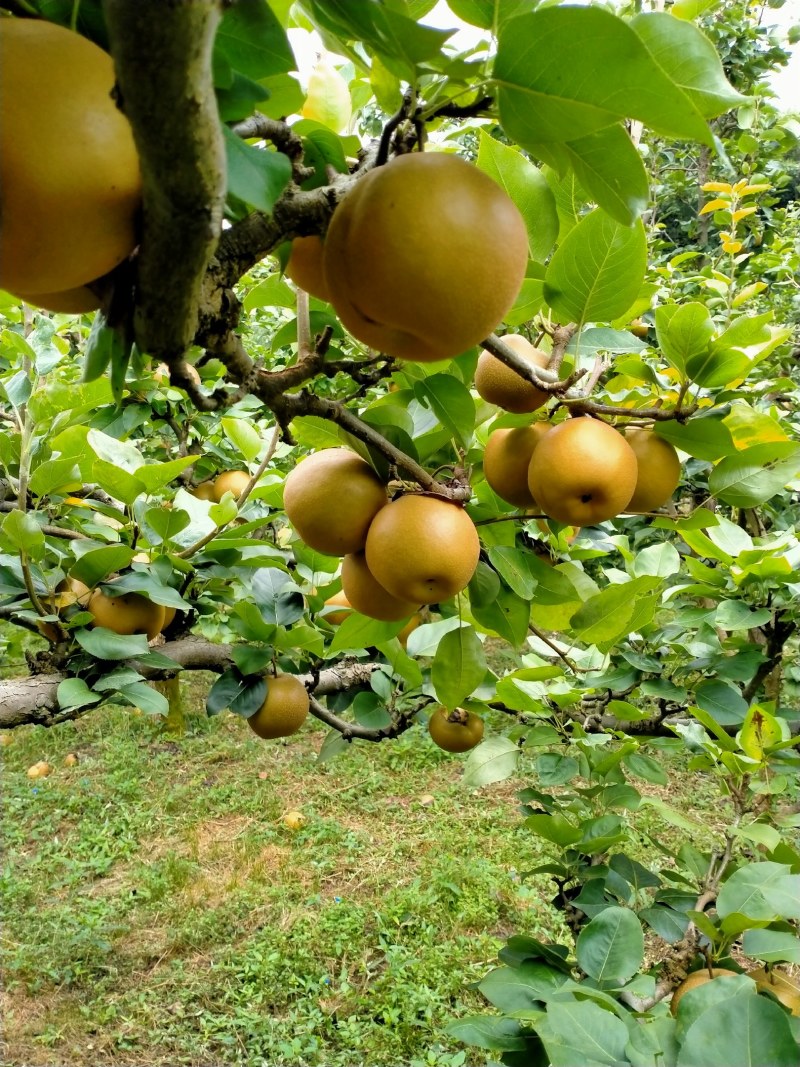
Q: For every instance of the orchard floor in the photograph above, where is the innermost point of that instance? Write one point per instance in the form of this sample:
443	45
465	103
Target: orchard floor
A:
156	910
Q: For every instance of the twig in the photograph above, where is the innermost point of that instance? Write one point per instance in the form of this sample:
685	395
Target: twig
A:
404	112
352	730
551	644
186	553
278	133
561	335
545	380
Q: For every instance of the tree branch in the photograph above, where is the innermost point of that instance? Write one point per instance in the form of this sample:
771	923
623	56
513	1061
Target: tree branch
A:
33	700
162	54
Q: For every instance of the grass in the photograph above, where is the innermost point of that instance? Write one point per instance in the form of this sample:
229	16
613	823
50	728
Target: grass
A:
157	911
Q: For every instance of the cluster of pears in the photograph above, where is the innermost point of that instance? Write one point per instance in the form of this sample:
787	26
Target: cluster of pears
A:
422	259
70	183
399	554
214	489
580	472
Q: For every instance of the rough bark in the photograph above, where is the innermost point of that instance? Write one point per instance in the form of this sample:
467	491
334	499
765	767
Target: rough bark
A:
34	700
162	54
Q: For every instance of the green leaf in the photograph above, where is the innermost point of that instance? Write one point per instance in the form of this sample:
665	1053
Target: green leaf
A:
485	1031
771	946
618	78
143	696
256	176
98	349
252	40
96	564
556	828
512	566
755	475
736	615
689	60
75	693
492	761
597	270
488	14
739	1030
659	561
277	597
708	439
244	696
553	768
610	169
760	731
519	988
154	476
56	476
165	523
527	187
761	891
459	666
20	531
117	453
723	702
684	332
357	631
611	948
508	616
667	923
584	1033
451	403
605	617
273	292
718	367
646	767
251	659
104	644
242	436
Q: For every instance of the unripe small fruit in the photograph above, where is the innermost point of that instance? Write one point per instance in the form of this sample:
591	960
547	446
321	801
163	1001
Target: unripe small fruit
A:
234	482
305	266
499	384
331	498
455	731
785	988
285	709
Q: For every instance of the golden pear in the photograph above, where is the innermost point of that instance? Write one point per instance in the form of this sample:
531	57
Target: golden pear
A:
499	384
70	302
582	472
782	986
285	709
305	266
659	470
338	600
424	257
70	184
367	595
230	482
422	548
330	498
455	731
128	613
204	491
506	460
695	979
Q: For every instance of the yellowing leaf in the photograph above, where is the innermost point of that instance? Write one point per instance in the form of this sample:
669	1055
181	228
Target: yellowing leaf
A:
760	731
715	205
732	246
749	427
717	187
749	290
762	188
743	212
328	99
740	186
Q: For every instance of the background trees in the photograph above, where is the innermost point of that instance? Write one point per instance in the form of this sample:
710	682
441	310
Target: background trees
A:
647	634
